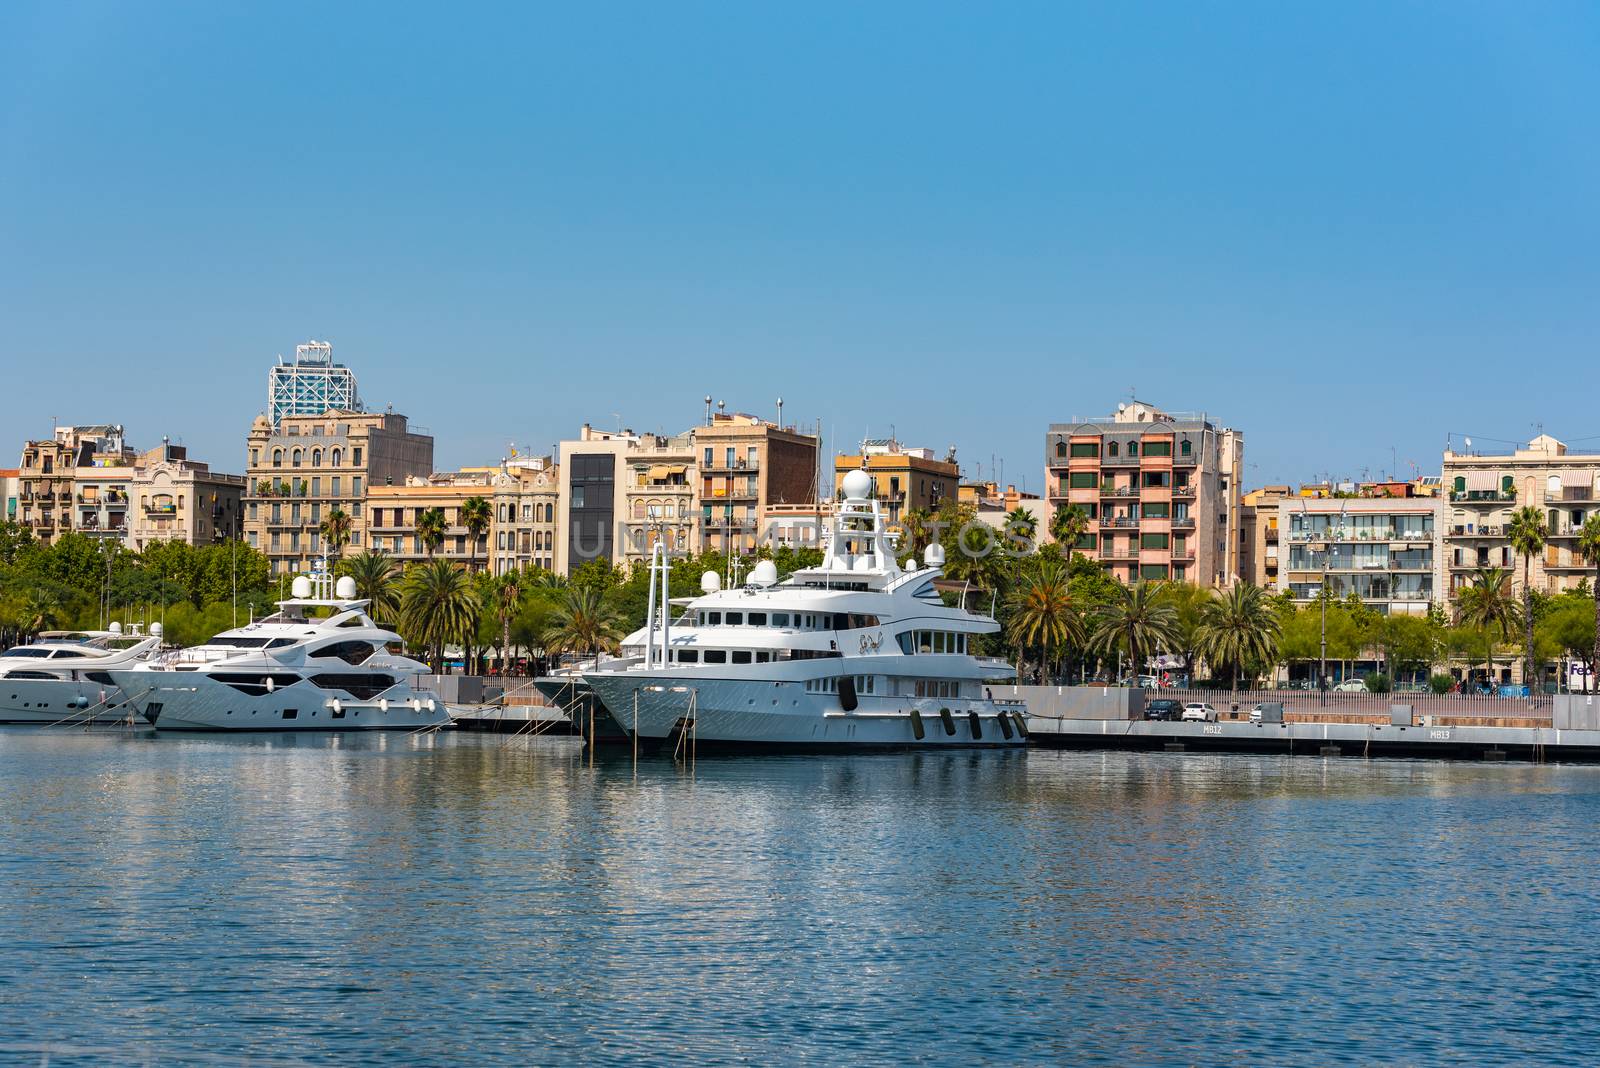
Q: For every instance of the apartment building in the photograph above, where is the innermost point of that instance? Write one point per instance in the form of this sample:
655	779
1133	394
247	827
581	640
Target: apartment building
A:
1387	551
710	487
526	497
308	465
903	479
392	512
9	488
1161	491
174	498
1482	490
47	486
995	506
1259	535
748	465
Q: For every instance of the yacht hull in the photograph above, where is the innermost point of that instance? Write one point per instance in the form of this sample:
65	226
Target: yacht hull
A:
196	703
761	714
46	701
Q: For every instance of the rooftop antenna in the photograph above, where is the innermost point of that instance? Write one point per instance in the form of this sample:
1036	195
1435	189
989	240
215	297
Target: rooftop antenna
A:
708	409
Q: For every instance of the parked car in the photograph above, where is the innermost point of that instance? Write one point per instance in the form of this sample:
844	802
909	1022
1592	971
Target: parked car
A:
1198	712
1162	708
1255	713
1149	682
1350	686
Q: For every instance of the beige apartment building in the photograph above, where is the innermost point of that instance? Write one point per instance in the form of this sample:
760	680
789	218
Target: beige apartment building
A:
47	478
309	465
1161	491
522	498
1260	547
710	487
178	499
903	479
1482	490
526	498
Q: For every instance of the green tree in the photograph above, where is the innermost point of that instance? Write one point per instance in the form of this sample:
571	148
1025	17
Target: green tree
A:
1237	627
1189	600
1021	523
476	515
1486	604
1527	534
505	599
1043	614
1139	621
1589	546
438	606
374	574
1068	525
584	623
430	527
335	530
1568	628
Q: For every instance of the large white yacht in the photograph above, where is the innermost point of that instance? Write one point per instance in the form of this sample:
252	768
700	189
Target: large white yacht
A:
856	653
65	676
318	664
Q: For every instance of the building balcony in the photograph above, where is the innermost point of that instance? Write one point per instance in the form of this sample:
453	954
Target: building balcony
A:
1472	530
717	525
1578	493
1183	491
1482	496
1119	491
1119	461
1272	536
737	465
1126	554
1121	522
1183	522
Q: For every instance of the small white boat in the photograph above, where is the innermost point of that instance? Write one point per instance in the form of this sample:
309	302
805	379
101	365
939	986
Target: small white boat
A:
65	676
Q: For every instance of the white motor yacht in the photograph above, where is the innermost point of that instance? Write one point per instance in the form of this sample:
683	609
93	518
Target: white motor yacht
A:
856	653
318	664
65	676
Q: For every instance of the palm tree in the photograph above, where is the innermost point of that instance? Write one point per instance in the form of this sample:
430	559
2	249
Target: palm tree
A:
1044	614
335	530
1022	523
40	610
584	623
1486	601
1238	627
429	527
1527	534
506	597
437	607
476	515
1069	523
914	527
1140	621
375	582
1589	546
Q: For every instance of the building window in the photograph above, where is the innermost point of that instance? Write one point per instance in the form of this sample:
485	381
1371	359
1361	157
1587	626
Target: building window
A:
1082	480
1061	449
355	490
1185	447
1085	448
1158	448
336	485
1152	541
1156	479
1153	571
338	457
355	456
1157	510
1133	448
277	458
316	485
316	457
1112	448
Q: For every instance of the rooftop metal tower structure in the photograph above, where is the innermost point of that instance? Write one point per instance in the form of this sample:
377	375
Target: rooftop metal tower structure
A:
310	385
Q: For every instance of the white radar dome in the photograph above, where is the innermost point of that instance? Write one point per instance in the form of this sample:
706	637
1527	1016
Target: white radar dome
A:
857	485
116	628
710	582
345	589
933	555
764	574
157	629
300	588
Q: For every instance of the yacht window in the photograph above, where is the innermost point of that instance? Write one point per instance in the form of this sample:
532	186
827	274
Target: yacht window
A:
741	656
713	619
758	619
716	656
237	643
349	652
21	651
361	687
279	643
29	675
780	619
763	657
291	713
688	656
735	618
102	677
255	683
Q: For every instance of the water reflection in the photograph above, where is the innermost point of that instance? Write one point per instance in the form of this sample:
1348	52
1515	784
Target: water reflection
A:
390	898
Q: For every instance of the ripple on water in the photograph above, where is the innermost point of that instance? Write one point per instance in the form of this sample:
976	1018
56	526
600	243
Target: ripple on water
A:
378	900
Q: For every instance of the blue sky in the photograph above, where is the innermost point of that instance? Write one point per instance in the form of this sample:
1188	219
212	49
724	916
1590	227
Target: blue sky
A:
1340	227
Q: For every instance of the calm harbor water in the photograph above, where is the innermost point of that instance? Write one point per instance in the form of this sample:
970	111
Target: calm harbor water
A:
473	899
